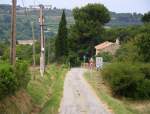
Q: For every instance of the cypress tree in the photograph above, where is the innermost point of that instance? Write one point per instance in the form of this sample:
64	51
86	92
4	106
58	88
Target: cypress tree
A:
61	44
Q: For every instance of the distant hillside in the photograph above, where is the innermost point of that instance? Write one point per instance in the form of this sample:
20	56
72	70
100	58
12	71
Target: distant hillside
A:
124	19
52	18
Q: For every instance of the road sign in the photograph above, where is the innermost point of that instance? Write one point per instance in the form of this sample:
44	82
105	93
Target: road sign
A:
99	62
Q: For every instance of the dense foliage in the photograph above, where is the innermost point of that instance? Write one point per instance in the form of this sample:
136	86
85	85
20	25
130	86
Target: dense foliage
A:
107	57
129	73
125	33
129	80
87	30
61	43
25	52
13	78
146	17
143	46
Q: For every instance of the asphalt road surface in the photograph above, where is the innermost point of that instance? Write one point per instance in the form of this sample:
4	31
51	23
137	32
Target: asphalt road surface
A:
78	97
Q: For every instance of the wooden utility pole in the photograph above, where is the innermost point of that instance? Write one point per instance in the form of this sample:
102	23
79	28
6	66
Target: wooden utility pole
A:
33	49
48	52
33	46
13	34
42	57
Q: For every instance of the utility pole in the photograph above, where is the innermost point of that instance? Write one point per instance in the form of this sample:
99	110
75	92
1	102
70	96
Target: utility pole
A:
48	58
33	46
42	39
42	57
33	49
13	34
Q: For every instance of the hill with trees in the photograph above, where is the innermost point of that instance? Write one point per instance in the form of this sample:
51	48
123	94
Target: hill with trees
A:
52	19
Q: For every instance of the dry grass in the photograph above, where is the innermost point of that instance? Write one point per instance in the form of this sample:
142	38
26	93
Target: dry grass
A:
16	104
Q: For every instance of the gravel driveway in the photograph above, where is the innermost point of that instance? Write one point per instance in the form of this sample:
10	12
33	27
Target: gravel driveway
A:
78	97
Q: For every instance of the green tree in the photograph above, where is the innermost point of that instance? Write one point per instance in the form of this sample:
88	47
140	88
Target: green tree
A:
146	17
143	45
61	44
88	27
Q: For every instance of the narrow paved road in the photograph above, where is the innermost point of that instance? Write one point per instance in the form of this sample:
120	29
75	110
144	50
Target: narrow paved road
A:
78	97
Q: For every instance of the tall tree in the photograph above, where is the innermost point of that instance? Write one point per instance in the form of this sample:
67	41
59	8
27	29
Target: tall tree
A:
143	45
61	44
86	33
146	17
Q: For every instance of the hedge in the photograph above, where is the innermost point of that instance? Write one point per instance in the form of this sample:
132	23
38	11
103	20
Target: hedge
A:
13	78
128	80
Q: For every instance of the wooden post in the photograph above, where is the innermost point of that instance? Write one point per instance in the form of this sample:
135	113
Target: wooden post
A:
33	49
33	46
13	34
48	58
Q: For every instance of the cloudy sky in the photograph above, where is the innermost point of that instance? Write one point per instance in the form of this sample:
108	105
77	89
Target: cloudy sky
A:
139	6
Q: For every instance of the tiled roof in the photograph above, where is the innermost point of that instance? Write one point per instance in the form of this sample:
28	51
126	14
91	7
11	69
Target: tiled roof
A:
103	45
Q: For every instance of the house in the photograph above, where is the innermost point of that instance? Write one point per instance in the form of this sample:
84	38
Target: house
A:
107	46
25	42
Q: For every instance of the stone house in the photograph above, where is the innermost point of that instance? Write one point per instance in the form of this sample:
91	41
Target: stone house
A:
107	46
25	42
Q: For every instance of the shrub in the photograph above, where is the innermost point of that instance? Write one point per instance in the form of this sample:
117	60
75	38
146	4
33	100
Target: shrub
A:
22	74
8	81
128	80
107	57
128	53
73	59
143	46
13	78
145	69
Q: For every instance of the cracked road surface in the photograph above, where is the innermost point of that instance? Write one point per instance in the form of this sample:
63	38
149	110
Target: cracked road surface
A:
78	97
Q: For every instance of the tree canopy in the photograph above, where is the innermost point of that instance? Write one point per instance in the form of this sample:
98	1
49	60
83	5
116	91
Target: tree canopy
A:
88	27
146	17
92	12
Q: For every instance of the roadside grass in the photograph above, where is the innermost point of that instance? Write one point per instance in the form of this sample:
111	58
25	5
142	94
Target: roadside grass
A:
46	92
117	105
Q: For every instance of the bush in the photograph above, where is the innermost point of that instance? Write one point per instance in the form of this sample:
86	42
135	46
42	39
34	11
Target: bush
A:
128	80
143	46
22	74
8	81
13	78
107	57
73	59
145	69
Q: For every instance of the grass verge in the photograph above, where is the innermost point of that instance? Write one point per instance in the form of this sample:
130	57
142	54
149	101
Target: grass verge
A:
119	106
46	91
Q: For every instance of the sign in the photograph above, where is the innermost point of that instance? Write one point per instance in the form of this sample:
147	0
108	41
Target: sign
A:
84	57
99	62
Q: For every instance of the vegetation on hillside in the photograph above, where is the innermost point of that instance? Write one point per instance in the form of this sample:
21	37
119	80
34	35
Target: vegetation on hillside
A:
52	18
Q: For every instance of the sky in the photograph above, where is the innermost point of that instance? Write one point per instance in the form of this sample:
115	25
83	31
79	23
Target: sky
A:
119	6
